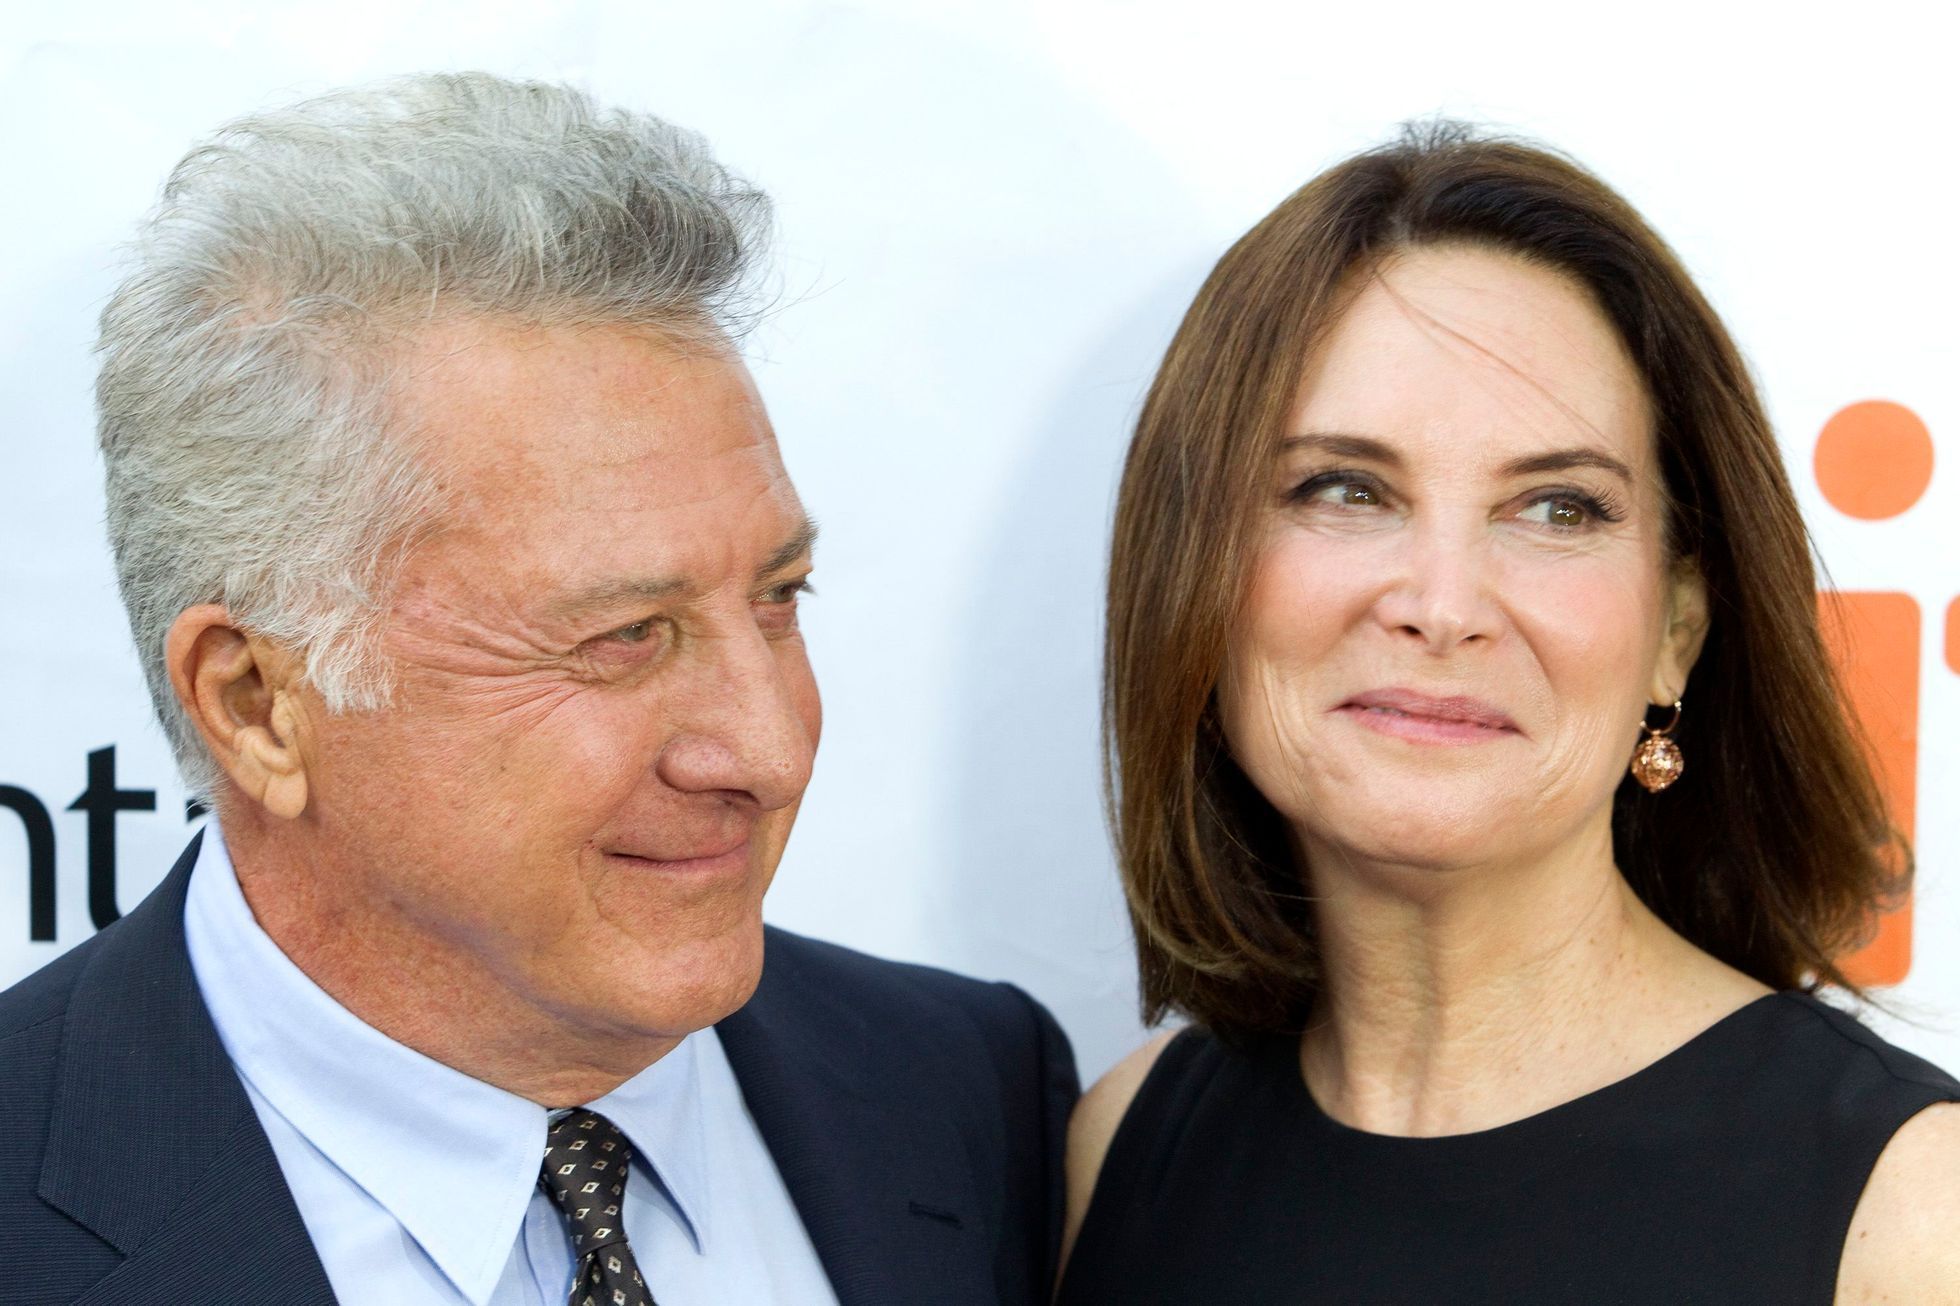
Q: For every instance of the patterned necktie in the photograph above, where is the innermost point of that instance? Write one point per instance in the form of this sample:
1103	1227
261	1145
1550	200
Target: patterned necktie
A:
585	1159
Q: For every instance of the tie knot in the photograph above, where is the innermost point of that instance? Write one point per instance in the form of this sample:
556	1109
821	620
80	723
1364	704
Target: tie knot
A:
585	1158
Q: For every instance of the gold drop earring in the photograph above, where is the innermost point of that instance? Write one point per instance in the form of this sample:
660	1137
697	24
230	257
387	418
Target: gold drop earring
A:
1657	760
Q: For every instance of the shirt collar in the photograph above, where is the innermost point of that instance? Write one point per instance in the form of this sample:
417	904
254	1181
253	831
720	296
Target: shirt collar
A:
661	1113
453	1159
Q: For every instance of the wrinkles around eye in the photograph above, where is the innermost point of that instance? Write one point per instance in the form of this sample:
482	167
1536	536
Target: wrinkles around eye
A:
1559	510
628	646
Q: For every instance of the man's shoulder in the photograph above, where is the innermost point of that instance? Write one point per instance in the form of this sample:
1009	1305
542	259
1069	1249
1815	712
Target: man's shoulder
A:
92	1029
905	992
851	966
896	1026
130	948
38	1019
42	998
31	1026
34	1023
34	1017
890	1082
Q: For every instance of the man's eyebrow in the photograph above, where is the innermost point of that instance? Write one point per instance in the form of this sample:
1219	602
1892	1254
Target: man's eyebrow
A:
1344	446
617	593
800	541
1560	460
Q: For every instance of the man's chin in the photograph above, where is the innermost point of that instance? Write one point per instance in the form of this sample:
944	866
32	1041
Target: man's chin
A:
699	983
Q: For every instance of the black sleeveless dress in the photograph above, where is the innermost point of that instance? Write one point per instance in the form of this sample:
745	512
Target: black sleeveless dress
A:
1726	1172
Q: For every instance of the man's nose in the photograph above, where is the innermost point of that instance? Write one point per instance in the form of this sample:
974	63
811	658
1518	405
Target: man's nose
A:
1440	593
748	725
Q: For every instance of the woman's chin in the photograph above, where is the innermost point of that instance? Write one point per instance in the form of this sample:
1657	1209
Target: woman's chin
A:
1415	850
1414	865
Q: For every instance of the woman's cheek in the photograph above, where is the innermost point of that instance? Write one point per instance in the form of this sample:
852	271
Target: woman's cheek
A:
1595	615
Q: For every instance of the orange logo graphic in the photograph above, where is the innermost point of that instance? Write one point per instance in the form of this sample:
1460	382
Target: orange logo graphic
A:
1874	460
1953	635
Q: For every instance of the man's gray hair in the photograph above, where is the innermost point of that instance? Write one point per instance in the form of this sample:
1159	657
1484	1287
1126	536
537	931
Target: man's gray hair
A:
243	398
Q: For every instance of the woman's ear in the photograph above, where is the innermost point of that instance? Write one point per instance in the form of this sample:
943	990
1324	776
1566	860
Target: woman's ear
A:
1681	640
242	691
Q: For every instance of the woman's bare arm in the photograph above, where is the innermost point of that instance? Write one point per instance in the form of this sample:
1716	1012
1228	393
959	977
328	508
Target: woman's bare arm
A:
1094	1124
1904	1242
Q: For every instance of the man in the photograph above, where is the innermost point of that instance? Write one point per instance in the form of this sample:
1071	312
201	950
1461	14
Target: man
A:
465	571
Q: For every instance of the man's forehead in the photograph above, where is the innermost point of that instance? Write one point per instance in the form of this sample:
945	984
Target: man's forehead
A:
598	416
591	460
484	389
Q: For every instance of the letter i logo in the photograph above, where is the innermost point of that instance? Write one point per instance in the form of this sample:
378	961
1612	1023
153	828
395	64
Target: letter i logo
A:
1874	460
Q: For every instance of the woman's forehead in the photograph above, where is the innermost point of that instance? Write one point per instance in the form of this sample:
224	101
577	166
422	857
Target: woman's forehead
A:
1469	347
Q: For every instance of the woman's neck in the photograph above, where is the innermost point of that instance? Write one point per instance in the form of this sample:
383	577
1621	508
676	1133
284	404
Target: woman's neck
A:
1458	1000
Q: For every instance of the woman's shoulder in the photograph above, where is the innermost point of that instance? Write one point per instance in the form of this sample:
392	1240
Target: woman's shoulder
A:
1092	1128
1874	1073
1904	1240
1101	1108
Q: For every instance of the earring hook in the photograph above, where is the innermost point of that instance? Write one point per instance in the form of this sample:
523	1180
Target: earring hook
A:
1667	729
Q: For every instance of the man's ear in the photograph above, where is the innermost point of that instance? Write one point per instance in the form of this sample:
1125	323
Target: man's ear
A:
1687	629
243	693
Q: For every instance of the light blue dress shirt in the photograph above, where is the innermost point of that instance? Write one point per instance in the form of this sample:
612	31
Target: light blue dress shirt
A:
419	1184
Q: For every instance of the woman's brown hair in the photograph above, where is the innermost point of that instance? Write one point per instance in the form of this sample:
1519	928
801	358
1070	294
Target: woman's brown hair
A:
1773	850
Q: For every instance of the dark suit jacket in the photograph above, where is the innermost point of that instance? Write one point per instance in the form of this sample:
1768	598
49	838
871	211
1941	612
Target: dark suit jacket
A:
917	1118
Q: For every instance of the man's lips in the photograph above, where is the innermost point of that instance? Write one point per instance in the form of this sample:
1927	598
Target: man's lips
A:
684	858
1409	714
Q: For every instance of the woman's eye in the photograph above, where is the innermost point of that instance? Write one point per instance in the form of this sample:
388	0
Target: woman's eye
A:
1340	491
1565	512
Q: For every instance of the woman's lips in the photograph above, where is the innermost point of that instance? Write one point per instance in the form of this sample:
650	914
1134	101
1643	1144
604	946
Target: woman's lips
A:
1425	718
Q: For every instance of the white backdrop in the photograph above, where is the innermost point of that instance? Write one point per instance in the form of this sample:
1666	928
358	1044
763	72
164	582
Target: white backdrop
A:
992	215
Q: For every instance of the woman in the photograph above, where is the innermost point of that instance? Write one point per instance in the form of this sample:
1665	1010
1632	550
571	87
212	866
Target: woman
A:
1483	794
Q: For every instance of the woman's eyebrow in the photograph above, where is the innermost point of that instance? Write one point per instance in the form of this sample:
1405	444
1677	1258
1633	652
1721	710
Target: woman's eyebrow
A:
1560	460
1344	446
1378	451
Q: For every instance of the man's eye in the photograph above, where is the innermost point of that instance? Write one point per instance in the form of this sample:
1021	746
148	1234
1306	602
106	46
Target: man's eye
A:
627	647
789	590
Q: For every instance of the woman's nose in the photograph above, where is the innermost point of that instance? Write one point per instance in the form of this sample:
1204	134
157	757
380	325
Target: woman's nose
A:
1439	594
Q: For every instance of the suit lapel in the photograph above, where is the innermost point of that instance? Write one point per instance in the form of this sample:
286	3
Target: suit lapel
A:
153	1144
883	1189
155	1147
